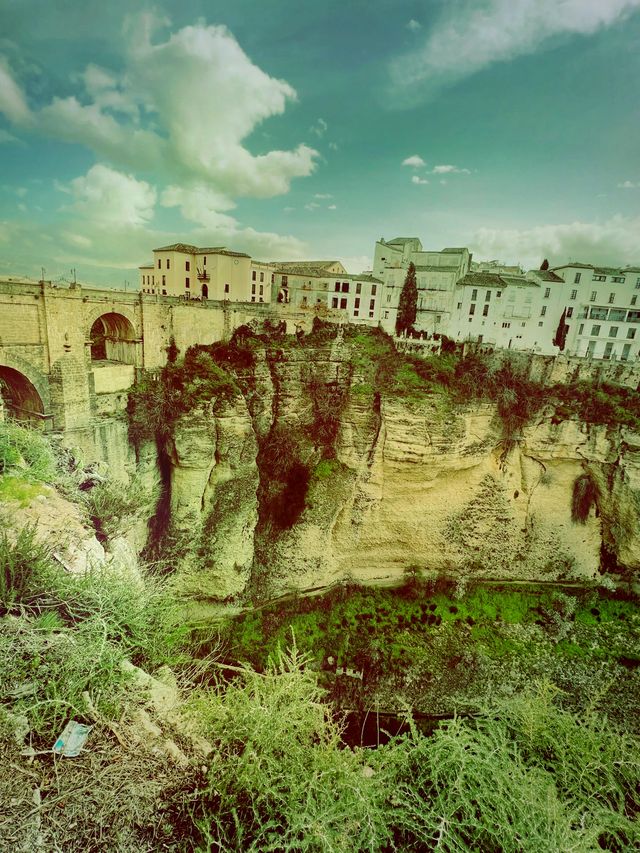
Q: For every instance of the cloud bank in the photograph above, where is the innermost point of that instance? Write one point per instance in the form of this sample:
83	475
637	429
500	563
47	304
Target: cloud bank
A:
474	34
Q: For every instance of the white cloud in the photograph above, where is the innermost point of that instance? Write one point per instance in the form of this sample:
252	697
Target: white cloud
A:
418	180
415	161
471	36
414	25
323	195
13	103
629	185
445	169
200	204
311	206
333	146
182	107
113	198
355	263
332	207
5	136
612	242
319	128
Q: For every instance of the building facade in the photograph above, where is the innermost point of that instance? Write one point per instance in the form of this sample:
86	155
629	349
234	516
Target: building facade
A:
191	272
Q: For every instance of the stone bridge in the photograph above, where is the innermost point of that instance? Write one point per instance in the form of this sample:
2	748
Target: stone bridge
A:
68	354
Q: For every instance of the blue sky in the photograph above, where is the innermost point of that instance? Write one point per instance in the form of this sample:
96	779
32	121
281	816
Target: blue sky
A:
292	129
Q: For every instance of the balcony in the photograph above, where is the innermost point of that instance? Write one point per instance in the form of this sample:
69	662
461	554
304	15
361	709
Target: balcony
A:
203	275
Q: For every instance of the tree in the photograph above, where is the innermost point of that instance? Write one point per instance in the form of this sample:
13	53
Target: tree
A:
544	265
561	332
407	307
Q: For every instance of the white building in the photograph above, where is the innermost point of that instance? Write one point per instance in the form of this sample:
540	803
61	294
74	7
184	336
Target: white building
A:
602	304
436	276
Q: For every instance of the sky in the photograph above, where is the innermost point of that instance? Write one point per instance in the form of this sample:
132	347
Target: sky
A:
296	130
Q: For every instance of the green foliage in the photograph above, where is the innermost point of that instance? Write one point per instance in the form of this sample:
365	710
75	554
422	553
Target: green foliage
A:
284	479
19	490
560	337
20	560
407	305
521	775
115	506
279	779
328	400
586	494
27	450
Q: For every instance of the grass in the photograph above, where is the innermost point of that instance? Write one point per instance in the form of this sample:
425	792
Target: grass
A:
19	490
387	633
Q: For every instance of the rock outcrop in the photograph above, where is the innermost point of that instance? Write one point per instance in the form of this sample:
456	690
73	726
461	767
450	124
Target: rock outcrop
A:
415	481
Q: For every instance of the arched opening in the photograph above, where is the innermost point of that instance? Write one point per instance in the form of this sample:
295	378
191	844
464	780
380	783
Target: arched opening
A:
20	397
113	339
205	291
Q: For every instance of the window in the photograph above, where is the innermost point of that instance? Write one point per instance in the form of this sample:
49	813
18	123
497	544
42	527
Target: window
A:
356	303
204	261
599	278
472	309
334	302
345	287
153	279
374	289
619	279
337	287
285	280
358	287
581	328
474	295
186	283
371	315
164	292
626	349
607	350
386	315
459	305
253	299
356	313
273	278
343	304
547	292
613	332
617	314
638	284
262	290
159	263
595	330
543	311
253	275
612	297
577	278
634	299
594	295
498	294
226	288
569	312
164	280
574	293
253	288
389	297
187	266
485	310
261	276
168	263
540	323
506	325
304	300
523	325
372	304
631	334
487	296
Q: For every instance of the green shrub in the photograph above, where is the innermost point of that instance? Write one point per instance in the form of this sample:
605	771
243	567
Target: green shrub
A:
28	449
115	506
21	560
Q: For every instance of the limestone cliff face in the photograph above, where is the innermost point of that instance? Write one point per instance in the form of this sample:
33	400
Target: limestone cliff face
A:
421	483
214	483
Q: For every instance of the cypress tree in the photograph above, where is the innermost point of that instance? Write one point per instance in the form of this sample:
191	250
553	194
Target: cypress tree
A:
561	332
407	306
544	265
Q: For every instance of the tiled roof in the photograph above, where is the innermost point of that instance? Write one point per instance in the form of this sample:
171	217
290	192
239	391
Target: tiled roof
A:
435	268
188	249
363	277
491	279
146	267
546	275
573	264
303	270
323	265
456	250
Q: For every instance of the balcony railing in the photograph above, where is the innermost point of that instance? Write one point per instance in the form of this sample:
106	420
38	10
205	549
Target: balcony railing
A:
203	275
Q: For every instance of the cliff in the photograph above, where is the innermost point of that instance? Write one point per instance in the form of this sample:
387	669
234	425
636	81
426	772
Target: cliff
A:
303	474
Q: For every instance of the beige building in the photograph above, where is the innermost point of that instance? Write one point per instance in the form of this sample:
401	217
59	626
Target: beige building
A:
191	272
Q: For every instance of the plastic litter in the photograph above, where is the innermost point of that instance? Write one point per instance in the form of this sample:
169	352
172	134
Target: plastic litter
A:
72	739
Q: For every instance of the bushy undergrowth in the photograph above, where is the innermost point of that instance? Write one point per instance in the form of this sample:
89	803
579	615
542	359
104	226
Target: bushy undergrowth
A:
114	506
520	776
585	494
83	625
26	450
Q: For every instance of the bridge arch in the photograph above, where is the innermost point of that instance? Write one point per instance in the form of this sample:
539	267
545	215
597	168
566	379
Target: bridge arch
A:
20	396
113	338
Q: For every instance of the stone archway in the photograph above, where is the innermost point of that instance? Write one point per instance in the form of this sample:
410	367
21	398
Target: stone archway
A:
20	397
113	338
